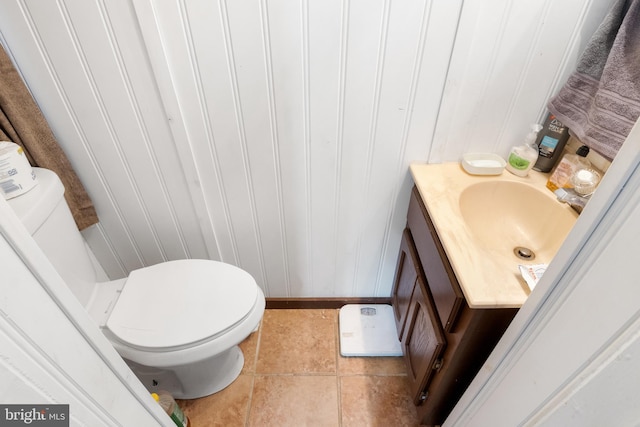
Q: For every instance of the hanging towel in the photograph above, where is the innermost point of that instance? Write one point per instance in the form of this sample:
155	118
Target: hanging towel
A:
600	102
22	122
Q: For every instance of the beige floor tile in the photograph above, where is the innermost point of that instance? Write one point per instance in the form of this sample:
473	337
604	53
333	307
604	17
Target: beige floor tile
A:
372	401
294	376
294	401
227	408
371	366
298	342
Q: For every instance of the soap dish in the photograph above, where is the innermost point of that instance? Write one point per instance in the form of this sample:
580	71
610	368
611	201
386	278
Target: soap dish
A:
483	163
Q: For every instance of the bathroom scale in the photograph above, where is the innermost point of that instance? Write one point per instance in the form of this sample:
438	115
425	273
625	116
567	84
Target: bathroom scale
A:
368	330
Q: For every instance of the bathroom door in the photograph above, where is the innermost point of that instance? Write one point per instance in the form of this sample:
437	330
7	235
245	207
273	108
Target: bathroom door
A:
50	350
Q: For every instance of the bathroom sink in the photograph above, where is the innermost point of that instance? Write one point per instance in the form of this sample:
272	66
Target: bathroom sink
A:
515	219
488	225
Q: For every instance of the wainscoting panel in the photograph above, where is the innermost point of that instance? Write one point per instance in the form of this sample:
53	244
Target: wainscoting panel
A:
276	135
509	59
300	114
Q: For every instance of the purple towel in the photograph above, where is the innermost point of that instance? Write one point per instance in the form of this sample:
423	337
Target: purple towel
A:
600	102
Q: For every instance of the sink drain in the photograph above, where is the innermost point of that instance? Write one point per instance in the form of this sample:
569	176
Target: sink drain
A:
524	253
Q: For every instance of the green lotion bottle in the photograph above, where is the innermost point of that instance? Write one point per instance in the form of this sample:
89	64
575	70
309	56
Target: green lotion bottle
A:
522	157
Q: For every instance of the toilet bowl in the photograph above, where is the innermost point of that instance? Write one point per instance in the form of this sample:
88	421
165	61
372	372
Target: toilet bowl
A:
177	324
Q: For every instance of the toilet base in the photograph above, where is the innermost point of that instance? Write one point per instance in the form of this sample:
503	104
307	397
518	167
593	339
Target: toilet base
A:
194	380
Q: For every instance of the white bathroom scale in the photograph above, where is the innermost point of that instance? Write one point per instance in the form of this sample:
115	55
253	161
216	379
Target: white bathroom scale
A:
368	330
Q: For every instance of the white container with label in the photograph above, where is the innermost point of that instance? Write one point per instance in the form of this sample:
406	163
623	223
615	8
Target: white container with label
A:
16	175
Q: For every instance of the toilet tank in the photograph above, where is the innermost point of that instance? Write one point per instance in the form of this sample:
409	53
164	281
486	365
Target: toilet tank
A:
45	214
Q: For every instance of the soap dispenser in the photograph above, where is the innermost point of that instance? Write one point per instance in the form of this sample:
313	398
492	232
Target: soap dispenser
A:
522	157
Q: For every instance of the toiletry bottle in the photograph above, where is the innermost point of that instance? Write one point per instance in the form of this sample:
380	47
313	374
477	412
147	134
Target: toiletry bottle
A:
172	409
522	157
550	143
568	165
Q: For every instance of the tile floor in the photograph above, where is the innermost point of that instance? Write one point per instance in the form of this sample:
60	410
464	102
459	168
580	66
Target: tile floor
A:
294	375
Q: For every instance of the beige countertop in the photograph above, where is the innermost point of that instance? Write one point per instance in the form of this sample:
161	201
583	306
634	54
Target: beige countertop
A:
489	277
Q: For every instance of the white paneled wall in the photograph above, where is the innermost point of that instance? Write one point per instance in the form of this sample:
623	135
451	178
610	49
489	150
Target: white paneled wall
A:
85	64
300	116
276	135
510	58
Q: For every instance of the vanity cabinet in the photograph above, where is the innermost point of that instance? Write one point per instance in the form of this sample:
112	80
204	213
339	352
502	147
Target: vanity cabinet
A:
444	341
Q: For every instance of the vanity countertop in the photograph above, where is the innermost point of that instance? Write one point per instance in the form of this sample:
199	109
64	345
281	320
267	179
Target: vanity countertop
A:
489	277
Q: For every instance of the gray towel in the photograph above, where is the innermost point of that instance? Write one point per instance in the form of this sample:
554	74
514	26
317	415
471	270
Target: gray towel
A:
600	102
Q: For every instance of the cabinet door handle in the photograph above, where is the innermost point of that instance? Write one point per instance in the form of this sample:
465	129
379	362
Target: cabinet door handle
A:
437	365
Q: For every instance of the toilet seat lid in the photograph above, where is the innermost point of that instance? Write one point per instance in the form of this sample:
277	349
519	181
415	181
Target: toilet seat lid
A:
180	303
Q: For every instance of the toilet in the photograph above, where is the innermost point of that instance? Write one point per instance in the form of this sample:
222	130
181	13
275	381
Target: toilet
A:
176	324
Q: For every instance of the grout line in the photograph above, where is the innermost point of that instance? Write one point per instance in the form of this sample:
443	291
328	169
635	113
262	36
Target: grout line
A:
333	314
336	338
247	417
297	374
336	329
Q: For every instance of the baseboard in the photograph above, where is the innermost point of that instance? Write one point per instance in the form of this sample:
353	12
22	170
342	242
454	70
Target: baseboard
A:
319	303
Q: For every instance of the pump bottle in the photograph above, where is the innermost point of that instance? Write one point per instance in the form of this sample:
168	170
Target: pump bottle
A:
522	157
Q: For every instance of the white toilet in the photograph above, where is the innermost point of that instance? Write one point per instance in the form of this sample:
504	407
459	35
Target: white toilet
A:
177	324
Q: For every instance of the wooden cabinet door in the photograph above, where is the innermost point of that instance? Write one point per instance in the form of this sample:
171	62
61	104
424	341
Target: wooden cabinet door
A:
423	341
443	285
405	279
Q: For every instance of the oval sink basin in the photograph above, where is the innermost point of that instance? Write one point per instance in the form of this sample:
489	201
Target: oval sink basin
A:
505	215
